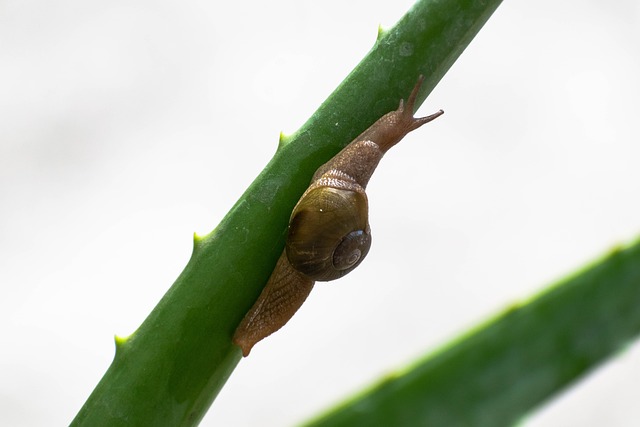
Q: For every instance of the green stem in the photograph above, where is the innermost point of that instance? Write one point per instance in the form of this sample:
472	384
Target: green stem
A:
170	370
496	374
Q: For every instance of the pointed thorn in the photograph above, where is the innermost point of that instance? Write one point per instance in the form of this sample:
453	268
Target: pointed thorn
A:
197	240
283	140
120	342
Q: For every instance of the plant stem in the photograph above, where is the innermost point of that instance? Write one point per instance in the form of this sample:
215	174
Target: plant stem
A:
170	370
496	374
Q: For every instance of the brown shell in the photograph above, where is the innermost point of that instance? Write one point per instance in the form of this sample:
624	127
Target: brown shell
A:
329	233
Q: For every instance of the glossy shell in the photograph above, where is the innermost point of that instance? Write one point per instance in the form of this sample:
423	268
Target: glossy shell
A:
329	233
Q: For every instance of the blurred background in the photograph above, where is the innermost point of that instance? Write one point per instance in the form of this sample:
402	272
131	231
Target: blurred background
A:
127	126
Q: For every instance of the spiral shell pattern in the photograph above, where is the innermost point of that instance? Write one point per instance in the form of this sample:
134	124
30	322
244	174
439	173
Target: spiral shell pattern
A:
329	233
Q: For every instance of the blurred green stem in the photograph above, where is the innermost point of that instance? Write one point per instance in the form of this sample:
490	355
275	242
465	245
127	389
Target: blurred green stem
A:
496	374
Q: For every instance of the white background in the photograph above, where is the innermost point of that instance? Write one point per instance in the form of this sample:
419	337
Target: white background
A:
127	126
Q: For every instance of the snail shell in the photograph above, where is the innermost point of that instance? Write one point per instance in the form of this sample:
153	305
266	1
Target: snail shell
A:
329	233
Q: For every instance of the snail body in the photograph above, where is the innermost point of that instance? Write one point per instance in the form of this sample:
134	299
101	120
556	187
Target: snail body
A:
329	233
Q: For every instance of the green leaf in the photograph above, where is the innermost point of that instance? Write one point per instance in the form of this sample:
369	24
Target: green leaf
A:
496	374
170	370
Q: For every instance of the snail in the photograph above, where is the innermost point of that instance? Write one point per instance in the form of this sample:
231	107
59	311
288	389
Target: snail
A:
329	233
